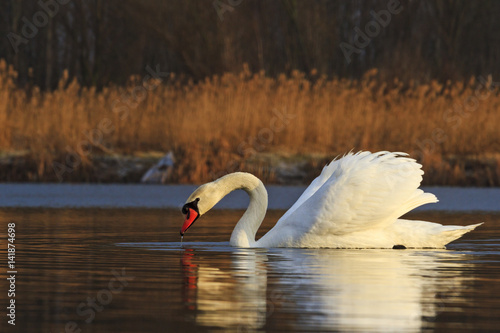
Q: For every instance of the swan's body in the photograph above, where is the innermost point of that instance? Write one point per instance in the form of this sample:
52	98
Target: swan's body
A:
355	202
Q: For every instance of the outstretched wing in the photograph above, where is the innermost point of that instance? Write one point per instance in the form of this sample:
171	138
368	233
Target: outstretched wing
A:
358	192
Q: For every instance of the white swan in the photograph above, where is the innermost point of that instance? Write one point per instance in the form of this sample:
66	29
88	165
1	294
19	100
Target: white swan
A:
355	202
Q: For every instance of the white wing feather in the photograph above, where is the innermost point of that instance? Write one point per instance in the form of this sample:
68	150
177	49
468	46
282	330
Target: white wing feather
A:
358	192
327	171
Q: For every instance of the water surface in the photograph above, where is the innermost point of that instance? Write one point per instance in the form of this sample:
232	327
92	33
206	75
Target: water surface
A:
125	270
173	196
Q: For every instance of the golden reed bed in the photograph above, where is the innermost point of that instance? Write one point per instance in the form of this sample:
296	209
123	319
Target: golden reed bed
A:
220	124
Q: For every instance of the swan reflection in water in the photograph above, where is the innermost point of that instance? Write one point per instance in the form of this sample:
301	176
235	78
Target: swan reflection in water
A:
321	289
235	297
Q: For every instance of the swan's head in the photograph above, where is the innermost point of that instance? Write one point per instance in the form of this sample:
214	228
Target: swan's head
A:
198	203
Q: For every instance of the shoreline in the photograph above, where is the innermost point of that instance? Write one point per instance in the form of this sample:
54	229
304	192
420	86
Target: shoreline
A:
275	168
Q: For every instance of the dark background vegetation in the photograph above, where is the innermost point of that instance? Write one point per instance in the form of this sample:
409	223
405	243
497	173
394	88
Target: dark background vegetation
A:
427	83
106	41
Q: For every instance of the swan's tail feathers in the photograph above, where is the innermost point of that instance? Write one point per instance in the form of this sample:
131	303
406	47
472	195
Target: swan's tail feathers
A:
454	232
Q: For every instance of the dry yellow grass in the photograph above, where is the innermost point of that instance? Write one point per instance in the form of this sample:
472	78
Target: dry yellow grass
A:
215	125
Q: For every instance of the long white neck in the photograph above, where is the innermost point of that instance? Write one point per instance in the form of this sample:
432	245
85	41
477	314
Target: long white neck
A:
244	232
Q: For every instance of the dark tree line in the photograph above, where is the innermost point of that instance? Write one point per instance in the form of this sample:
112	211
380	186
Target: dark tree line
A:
106	41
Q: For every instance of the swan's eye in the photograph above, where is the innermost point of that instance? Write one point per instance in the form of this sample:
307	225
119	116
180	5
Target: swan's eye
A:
192	205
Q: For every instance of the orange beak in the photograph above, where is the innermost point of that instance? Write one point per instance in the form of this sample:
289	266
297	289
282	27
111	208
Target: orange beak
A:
191	216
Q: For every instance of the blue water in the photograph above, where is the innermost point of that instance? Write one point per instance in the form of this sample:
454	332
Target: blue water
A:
174	196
